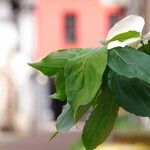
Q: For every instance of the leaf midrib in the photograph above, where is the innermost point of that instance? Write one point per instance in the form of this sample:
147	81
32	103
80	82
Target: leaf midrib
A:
121	57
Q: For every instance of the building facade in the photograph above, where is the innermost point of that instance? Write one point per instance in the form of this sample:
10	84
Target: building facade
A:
76	23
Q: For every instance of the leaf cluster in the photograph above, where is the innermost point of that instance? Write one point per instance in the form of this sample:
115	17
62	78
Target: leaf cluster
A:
101	80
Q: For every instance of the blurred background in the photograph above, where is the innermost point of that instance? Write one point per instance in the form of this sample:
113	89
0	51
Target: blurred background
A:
30	29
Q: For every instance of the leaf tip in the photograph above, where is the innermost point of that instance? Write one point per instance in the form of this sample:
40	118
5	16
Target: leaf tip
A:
34	65
53	136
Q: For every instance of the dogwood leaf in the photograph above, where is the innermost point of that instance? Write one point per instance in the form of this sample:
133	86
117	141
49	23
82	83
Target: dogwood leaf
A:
132	94
83	77
130	63
66	119
101	120
145	48
125	36
60	87
55	61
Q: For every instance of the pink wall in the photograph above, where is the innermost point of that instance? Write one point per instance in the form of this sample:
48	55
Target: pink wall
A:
92	23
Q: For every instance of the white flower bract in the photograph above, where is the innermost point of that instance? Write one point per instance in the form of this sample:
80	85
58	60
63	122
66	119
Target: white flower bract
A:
129	23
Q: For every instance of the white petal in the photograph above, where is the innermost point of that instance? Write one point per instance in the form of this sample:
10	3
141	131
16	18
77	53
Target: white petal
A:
115	44
129	23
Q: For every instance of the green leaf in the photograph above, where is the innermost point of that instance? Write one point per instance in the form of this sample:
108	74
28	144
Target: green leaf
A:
77	146
66	119
130	63
54	96
83	77
122	37
125	36
145	47
132	94
55	61
101	121
60	87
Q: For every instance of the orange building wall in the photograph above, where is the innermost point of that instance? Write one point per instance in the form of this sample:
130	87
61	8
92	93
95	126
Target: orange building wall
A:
92	23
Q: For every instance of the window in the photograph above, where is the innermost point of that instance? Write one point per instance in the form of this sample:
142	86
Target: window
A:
70	28
113	19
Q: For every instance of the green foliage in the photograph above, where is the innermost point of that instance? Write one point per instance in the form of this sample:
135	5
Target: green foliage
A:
101	121
125	36
66	120
82	76
145	47
122	37
60	87
132	94
56	61
130	63
77	146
